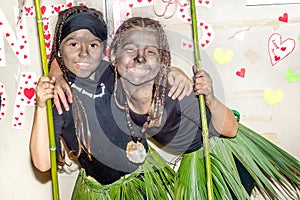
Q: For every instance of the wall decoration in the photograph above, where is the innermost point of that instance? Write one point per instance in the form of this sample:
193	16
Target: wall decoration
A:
239	35
273	97
17	42
278	49
187	44
241	72
284	18
25	96
123	10
17	36
183	14
223	57
270	2
3	103
291	76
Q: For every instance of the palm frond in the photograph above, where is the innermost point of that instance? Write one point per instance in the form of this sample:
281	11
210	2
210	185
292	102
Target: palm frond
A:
153	180
276	172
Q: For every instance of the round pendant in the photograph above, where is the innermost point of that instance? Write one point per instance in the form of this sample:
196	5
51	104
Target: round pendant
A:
136	152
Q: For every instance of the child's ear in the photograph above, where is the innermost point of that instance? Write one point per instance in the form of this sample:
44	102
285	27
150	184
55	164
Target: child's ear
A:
112	55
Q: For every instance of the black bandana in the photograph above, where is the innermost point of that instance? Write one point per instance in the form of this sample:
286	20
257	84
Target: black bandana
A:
84	20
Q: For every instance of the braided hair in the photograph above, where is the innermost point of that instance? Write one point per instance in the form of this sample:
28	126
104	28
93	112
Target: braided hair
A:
158	100
79	112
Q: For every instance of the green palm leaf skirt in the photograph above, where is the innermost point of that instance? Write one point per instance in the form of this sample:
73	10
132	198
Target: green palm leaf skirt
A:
275	172
152	180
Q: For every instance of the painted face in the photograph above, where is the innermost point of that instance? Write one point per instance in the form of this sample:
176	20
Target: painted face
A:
138	56
81	53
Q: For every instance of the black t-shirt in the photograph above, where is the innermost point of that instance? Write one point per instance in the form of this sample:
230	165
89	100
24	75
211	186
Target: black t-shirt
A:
180	130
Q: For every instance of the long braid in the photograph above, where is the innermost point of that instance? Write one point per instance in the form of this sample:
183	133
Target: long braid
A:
158	101
79	112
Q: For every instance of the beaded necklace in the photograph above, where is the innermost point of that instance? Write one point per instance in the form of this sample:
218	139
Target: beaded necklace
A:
135	150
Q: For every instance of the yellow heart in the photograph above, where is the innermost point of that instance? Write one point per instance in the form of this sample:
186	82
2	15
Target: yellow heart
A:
273	97
223	57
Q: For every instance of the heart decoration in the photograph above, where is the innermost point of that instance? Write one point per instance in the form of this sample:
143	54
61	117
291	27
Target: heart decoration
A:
241	72
273	97
3	101
283	18
291	76
222	57
279	49
25	97
187	45
29	92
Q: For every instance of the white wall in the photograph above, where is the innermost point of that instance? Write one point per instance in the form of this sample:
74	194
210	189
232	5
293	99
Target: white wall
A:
251	26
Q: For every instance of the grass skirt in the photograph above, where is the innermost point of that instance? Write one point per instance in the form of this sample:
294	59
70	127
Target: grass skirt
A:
276	173
148	182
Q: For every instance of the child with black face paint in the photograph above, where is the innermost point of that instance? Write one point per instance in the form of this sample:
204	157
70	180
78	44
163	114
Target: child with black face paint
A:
88	132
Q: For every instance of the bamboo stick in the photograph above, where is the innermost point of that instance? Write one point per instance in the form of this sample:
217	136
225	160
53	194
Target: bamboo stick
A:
202	104
52	145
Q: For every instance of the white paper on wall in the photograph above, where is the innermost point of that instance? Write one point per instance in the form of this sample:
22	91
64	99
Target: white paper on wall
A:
270	2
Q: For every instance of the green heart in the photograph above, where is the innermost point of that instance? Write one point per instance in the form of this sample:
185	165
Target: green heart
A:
291	76
298	37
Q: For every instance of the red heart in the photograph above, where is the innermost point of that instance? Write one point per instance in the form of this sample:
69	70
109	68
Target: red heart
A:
27	9
43	9
29	92
283	18
47	37
69	5
57	9
241	73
